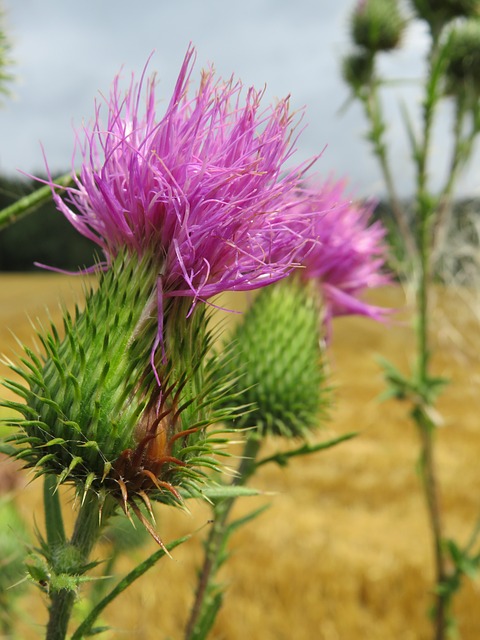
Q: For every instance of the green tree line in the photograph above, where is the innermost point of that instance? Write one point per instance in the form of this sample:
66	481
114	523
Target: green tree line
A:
43	236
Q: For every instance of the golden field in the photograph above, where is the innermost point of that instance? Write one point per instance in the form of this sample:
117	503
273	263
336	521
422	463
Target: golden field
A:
343	553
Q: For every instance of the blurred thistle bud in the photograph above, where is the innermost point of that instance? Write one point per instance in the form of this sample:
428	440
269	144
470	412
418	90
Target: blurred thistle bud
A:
96	413
438	12
462	59
276	353
357	69
377	25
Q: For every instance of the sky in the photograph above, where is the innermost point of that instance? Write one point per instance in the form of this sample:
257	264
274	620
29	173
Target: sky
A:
65	52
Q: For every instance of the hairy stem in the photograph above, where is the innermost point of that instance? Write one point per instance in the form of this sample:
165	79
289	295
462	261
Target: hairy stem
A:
85	534
374	115
53	512
430	486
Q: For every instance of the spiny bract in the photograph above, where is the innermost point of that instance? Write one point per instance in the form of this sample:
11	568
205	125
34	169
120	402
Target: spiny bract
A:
95	410
277	356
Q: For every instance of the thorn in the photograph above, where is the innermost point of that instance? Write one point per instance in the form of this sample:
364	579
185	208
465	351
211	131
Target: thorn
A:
87	485
148	504
101	499
150	529
106	470
160	484
124	490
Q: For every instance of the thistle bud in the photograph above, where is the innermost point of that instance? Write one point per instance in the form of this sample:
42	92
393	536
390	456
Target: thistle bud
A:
277	356
462	52
357	69
98	414
377	25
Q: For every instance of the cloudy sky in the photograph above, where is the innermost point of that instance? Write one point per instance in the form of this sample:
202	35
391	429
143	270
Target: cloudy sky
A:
67	51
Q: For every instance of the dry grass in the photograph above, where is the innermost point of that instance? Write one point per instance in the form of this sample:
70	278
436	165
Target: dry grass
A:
344	551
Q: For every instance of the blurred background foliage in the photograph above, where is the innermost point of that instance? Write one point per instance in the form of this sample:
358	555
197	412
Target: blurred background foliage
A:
43	236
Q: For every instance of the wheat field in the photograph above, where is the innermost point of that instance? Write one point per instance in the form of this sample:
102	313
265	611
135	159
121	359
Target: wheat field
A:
343	552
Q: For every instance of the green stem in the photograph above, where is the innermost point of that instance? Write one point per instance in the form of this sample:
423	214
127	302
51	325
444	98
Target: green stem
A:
85	534
373	111
430	486
216	538
30	202
85	628
53	513
283	457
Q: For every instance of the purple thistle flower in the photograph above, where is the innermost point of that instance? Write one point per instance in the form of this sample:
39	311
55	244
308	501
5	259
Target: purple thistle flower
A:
345	252
201	189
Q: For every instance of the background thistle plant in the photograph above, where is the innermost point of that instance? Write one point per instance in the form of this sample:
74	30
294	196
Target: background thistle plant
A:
451	71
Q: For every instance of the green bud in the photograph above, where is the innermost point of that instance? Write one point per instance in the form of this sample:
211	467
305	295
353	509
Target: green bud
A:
377	25
462	52
357	69
94	412
277	355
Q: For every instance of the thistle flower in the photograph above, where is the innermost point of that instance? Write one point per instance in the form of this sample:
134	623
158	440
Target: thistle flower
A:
344	251
201	189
